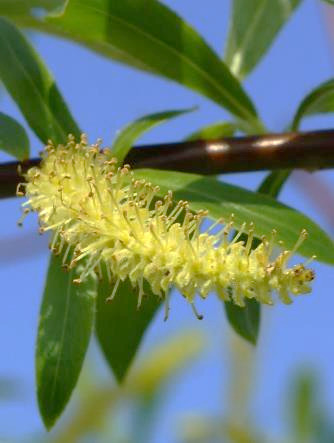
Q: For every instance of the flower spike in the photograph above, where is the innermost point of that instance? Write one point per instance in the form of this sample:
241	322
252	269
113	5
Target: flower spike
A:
103	215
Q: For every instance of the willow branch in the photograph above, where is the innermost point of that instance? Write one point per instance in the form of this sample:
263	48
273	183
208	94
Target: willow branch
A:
308	150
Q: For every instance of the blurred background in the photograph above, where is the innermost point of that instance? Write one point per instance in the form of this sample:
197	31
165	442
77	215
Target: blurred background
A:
204	384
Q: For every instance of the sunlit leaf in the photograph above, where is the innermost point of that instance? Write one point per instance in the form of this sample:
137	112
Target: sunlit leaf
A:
65	327
150	35
128	135
254	26
13	138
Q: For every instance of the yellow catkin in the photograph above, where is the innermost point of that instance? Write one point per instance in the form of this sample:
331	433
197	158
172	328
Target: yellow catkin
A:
101	213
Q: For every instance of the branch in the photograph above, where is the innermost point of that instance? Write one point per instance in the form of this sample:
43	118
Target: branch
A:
309	150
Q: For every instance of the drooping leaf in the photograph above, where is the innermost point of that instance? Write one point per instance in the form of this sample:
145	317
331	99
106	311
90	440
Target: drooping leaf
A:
150	35
120	325
128	135
245	321
213	131
318	101
65	327
222	199
254	26
13	138
32	87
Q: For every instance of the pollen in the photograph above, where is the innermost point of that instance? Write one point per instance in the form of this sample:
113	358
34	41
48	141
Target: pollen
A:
99	214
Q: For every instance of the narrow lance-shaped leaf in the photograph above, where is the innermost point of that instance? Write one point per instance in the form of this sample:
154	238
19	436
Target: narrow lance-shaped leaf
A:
32	14
120	325
65	326
154	37
318	101
32	87
128	135
222	199
254	26
13	138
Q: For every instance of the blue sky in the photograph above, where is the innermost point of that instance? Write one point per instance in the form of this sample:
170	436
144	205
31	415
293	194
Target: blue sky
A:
105	96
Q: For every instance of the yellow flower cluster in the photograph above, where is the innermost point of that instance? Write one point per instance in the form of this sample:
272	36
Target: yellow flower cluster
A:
101	213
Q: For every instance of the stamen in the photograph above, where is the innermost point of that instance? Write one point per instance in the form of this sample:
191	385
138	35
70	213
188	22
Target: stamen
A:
111	297
198	316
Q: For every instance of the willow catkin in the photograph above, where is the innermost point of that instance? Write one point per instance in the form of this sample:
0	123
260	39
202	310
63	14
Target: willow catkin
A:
100	213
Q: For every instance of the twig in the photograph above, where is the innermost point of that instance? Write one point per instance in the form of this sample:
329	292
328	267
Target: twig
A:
309	150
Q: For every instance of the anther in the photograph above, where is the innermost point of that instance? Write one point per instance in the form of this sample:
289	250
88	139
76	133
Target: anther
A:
198	316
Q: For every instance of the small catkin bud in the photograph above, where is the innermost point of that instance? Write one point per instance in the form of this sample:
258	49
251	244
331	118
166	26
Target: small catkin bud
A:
100	213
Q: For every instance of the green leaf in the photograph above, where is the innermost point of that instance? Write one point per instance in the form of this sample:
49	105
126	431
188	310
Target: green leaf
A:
318	101
274	182
65	327
152	36
213	131
128	135
245	321
24	15
13	138
222	199
254	27
32	87
120	325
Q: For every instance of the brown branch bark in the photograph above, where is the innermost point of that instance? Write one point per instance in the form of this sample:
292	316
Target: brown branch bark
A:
308	150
